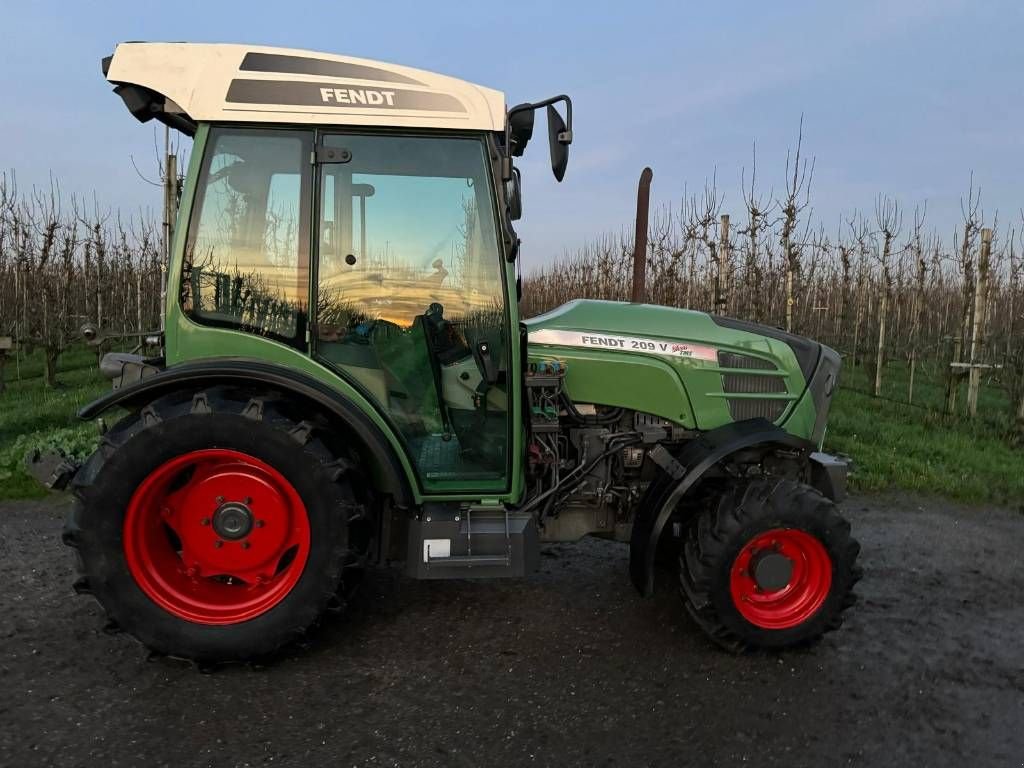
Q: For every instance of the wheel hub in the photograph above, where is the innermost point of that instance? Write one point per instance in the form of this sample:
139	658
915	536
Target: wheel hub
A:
233	520
780	578
772	570
216	536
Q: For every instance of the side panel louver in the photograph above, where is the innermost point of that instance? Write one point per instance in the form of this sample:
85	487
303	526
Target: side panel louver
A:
738	383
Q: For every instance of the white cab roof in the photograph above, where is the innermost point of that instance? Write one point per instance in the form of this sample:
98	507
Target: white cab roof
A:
251	83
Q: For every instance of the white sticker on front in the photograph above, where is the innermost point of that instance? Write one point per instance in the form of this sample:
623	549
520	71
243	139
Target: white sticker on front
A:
594	340
435	548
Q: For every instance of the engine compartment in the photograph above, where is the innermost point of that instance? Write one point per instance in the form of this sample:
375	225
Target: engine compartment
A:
586	464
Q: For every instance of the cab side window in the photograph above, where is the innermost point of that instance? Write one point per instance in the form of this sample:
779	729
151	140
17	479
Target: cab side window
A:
247	255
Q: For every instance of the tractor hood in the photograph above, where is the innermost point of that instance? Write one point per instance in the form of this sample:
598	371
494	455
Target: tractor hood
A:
692	368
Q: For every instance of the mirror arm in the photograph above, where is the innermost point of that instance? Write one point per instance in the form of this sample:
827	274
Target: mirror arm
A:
564	137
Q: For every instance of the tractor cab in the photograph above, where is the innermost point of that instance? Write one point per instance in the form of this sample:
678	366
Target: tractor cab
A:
358	214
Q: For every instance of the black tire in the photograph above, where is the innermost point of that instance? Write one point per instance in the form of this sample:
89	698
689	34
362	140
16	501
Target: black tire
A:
717	537
215	418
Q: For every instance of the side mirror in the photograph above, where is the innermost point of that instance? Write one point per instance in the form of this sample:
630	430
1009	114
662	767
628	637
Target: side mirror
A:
559	139
514	196
519	129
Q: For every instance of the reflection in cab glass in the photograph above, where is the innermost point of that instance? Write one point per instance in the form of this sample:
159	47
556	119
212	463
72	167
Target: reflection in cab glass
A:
410	301
247	256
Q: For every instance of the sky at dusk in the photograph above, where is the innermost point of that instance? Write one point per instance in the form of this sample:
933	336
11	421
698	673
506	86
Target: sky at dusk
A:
901	98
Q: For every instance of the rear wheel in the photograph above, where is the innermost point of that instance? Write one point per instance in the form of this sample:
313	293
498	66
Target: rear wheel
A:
772	565
214	527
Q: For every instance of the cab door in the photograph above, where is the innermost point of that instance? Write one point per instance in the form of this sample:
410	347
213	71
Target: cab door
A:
410	298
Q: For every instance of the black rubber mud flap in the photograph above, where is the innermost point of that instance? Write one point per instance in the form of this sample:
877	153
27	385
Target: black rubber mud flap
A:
680	476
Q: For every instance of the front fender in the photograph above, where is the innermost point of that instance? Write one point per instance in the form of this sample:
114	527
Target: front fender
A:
681	474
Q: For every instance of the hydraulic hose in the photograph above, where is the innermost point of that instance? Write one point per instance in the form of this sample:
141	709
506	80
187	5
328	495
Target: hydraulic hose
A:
616	443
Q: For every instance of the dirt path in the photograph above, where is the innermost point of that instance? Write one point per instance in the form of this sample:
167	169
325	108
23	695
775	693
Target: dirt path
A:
568	668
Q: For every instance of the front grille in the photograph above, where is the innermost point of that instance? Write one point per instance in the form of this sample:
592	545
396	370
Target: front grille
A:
738	383
743	408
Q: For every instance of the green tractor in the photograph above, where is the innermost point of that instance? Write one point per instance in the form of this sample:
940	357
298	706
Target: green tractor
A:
346	382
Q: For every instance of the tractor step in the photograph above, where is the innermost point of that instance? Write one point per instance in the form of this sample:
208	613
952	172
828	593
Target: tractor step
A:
451	541
470	561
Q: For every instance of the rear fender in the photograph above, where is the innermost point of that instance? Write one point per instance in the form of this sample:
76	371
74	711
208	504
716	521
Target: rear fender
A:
682	473
376	449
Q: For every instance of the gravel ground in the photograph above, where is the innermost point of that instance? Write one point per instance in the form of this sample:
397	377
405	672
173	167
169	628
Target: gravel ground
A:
567	668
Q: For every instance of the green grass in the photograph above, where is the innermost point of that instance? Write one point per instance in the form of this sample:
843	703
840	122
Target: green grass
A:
34	417
918	448
893	445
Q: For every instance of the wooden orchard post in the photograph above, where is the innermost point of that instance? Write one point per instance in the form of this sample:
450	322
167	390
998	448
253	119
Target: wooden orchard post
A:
978	324
883	308
954	376
722	267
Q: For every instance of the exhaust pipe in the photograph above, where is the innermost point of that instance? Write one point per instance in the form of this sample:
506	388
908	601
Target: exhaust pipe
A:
643	205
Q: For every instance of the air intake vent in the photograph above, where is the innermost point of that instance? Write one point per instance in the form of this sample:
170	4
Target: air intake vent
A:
738	383
757	384
752	384
741	409
749	362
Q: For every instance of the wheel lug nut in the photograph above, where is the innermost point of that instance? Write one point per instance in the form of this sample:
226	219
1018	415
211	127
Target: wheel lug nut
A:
166	511
192	572
259	523
246	545
220	499
247	500
205	521
218	543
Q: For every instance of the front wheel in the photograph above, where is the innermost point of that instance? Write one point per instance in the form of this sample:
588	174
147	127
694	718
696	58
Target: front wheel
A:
771	566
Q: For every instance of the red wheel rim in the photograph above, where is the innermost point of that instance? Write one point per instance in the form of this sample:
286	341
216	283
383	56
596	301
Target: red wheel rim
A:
807	586
216	536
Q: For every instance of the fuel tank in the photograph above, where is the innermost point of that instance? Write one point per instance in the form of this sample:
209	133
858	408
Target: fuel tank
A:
694	369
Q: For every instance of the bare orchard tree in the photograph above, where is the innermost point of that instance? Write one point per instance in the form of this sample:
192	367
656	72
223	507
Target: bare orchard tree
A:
702	217
862	241
754	253
889	221
843	315
971	229
1015	340
917	250
798	195
60	267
